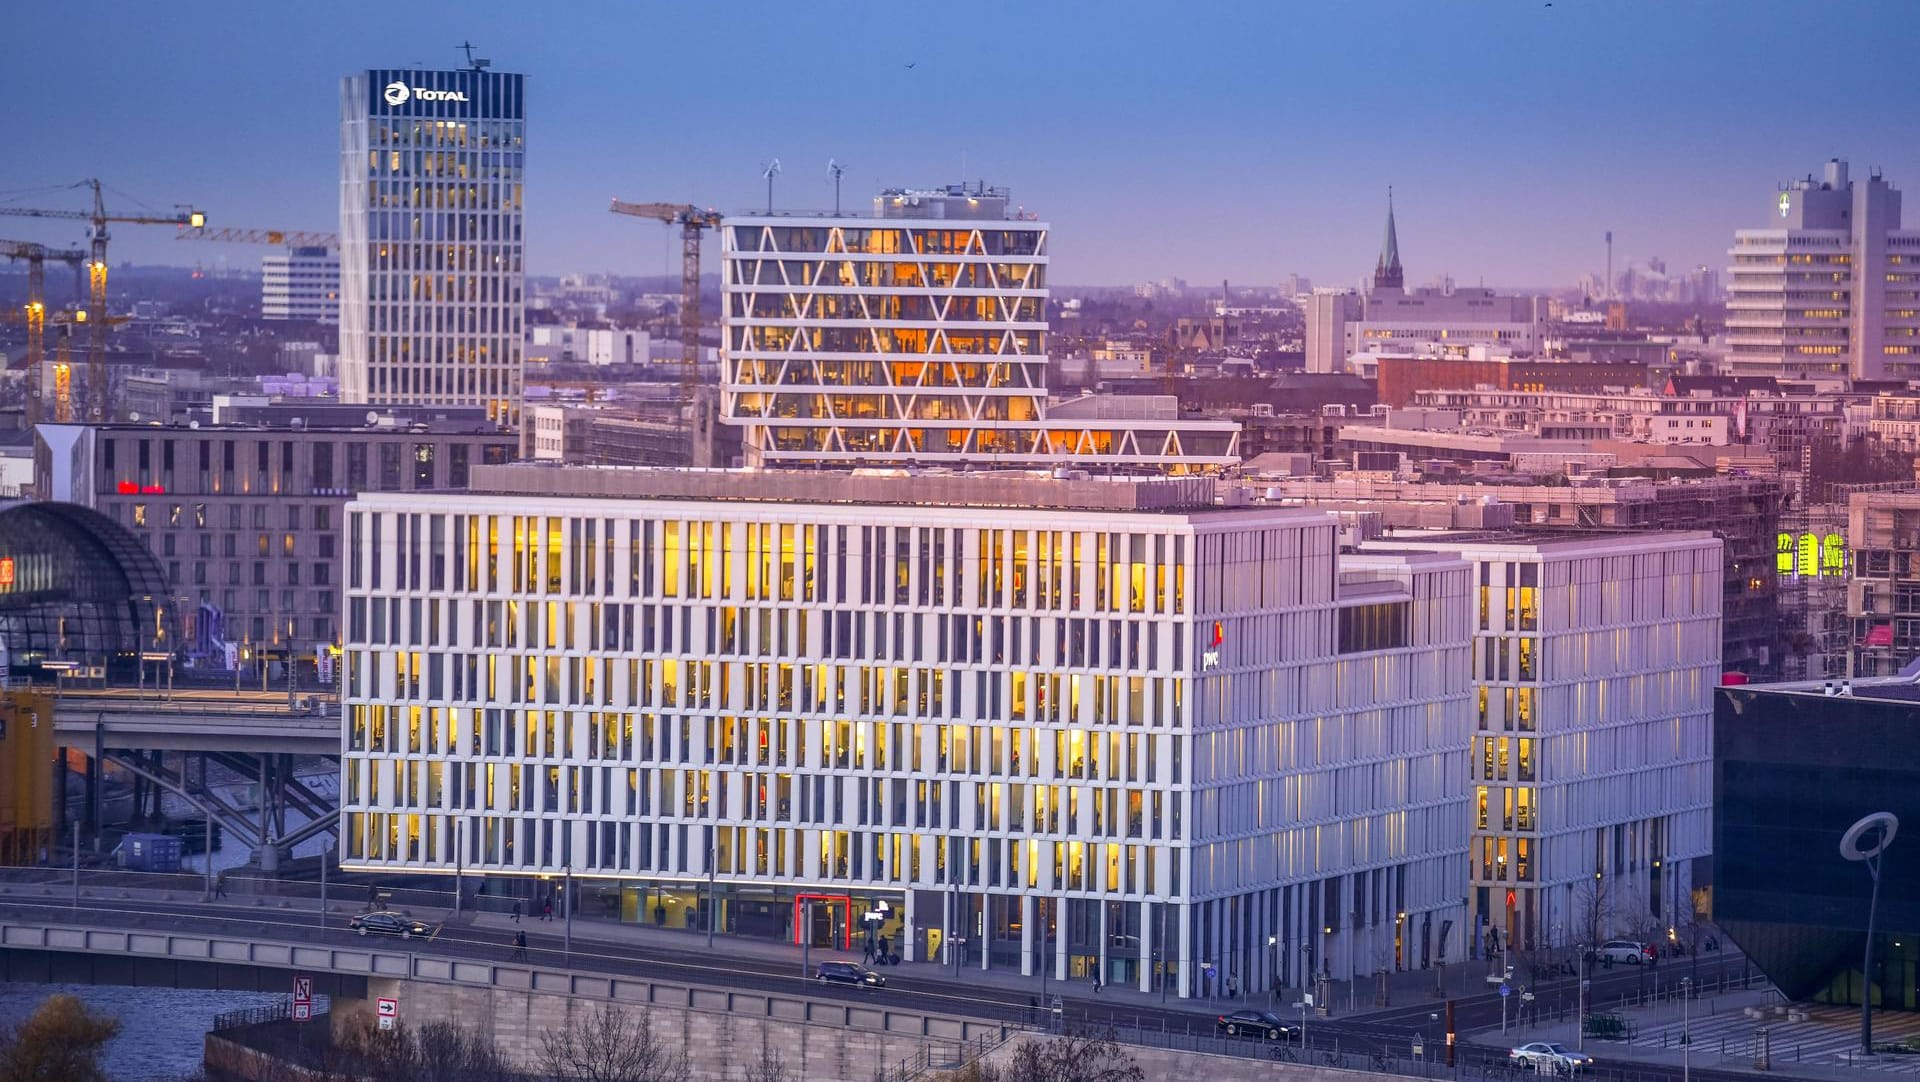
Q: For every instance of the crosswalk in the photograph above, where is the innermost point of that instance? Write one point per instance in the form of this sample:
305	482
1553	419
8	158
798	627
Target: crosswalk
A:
1829	1037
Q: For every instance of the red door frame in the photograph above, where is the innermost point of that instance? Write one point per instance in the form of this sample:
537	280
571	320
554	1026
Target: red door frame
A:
800	915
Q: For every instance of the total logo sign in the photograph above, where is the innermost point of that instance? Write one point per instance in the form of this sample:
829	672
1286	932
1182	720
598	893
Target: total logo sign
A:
399	93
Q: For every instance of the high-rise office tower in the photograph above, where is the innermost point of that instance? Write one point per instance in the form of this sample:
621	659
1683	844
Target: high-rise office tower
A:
918	335
431	254
1831	288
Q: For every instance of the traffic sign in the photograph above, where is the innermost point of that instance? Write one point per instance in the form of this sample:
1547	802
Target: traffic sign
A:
303	990
1505	991
302	1012
388	1007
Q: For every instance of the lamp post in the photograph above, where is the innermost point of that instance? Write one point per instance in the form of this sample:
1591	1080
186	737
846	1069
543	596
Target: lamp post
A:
1273	967
1865	842
1580	999
1686	1029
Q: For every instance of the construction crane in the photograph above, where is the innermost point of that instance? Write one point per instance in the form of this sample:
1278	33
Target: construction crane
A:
292	238
97	220
691	220
36	256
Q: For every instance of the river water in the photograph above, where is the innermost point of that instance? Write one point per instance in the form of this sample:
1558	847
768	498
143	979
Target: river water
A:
162	1030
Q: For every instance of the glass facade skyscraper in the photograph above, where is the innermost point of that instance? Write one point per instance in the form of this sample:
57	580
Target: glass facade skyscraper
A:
431	254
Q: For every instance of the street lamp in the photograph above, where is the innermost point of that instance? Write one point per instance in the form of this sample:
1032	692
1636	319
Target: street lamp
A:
1865	842
1273	968
1686	1029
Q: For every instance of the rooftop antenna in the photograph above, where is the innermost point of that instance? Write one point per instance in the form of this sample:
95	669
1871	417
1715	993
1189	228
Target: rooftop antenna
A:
477	65
834	167
772	170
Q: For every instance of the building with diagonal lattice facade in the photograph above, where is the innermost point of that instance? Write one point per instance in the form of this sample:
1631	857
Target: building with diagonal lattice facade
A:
917	336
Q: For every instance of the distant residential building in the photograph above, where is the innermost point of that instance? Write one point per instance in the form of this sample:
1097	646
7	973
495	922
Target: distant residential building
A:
1831	288
597	346
301	284
1883	596
1402	376
559	433
1328	312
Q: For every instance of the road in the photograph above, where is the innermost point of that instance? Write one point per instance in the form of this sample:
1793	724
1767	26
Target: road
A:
1387	1032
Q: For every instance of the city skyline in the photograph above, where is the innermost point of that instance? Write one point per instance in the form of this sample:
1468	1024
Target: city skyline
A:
1268	154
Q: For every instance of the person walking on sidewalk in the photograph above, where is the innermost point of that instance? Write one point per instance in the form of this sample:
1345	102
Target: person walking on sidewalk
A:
220	885
516	911
1095	974
546	910
520	946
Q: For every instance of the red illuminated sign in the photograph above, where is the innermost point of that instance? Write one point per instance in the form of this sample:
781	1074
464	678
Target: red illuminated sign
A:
6	571
129	488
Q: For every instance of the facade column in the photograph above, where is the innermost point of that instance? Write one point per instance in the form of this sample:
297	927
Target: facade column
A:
1027	909
909	930
986	929
1102	952
1061	929
1184	955
1149	911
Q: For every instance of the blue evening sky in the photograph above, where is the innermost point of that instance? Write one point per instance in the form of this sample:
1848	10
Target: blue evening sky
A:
1235	139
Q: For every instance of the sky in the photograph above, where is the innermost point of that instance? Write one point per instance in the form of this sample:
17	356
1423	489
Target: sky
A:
1210	140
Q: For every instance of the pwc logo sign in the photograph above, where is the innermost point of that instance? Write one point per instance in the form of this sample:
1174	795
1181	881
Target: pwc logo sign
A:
1210	657
399	93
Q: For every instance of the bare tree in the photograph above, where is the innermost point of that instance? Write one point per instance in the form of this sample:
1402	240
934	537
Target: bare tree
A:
1593	901
1096	1058
609	1046
770	1067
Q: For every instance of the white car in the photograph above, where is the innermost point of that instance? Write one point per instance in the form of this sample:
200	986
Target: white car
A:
1624	951
1549	1056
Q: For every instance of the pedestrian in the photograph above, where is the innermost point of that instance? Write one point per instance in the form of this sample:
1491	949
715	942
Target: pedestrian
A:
546	910
1095	974
520	946
516	911
1033	1009
866	951
220	885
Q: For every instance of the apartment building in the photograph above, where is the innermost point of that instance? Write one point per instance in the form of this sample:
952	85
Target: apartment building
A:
1109	720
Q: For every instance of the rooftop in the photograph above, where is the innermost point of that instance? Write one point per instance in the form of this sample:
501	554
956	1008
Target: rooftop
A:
1903	689
1023	489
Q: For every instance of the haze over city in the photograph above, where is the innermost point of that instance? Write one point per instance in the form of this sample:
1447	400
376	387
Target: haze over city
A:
1238	140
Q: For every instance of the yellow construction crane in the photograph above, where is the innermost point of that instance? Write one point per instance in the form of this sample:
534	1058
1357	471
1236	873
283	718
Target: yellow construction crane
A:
692	221
97	220
36	256
292	238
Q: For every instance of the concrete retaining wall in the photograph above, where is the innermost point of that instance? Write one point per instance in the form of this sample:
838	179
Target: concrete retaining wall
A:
719	1032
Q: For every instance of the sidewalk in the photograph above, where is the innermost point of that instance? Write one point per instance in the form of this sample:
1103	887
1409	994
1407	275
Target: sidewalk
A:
1801	1040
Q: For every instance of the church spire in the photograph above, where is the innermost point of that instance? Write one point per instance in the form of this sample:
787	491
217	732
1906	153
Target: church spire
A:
1387	273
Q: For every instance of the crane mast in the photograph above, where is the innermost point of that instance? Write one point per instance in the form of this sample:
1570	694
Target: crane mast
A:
692	222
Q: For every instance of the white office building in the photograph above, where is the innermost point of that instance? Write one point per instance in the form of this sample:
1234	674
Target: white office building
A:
1832	288
597	346
915	336
1594	664
431	255
301	284
1110	724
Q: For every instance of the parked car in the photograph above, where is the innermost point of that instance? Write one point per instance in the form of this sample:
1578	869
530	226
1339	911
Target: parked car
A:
1549	1056
1624	950
385	922
1260	1024
849	973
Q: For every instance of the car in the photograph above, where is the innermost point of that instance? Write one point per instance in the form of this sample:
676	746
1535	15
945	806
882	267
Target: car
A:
1624	950
849	973
385	922
1256	1024
1549	1056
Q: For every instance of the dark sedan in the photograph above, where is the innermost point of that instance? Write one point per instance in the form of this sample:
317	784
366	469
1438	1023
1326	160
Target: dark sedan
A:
849	973
385	923
1261	1024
